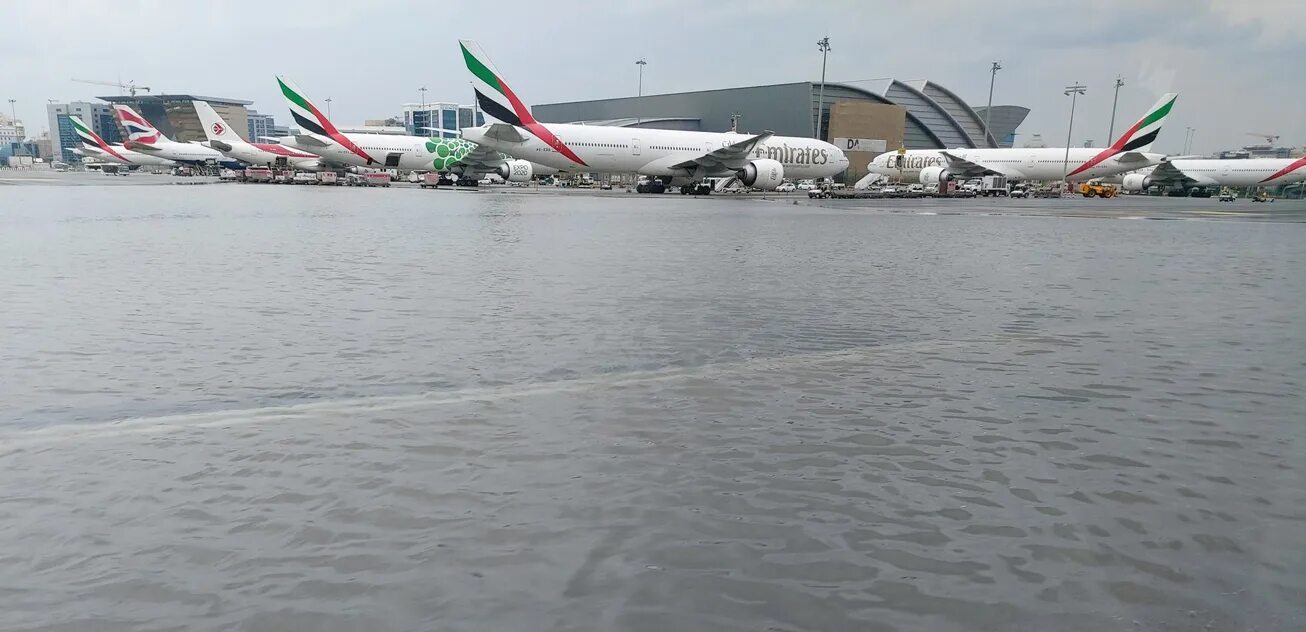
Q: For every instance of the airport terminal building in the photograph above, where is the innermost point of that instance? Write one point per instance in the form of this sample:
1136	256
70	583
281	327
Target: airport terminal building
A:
174	115
867	117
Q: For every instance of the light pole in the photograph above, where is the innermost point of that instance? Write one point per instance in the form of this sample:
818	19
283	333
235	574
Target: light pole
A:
824	45
13	111
1073	92
328	102
1110	134
641	63
1188	141
988	112
425	115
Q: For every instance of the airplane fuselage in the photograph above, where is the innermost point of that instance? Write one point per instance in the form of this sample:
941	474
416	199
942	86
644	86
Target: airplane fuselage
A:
185	153
265	154
1047	164
123	156
654	152
1248	172
381	151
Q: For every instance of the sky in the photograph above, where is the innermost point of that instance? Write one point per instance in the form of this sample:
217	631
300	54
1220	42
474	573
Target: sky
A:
1237	64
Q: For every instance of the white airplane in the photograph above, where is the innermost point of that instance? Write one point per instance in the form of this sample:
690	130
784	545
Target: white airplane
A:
94	146
1183	173
144	138
226	140
1128	153
390	151
763	160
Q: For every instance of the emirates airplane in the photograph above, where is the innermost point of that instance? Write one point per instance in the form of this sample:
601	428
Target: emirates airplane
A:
1128	153
1183	173
224	139
144	138
95	147
390	151
762	160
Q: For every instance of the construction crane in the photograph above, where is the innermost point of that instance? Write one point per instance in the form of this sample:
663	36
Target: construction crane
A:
1269	138
130	86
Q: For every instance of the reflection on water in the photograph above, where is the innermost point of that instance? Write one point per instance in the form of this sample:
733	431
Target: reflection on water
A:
258	408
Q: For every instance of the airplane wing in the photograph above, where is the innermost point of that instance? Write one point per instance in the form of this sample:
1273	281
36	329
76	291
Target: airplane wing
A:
728	158
482	159
143	147
1134	156
970	169
309	140
1166	174
505	132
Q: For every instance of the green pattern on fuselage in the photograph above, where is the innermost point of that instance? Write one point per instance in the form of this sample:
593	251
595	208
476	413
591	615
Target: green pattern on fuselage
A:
448	151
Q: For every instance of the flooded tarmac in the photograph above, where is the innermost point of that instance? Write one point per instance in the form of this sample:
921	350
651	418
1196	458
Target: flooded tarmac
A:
275	408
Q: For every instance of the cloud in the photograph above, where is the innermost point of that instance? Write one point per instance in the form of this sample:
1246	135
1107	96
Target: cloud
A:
1227	58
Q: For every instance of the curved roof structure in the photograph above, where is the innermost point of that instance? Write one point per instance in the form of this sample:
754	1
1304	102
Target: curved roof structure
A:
936	117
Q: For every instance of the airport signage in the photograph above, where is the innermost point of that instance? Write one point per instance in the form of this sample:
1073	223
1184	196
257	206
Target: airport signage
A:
861	144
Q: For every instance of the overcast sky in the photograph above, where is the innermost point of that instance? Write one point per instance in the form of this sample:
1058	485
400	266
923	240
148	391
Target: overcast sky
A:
1236	63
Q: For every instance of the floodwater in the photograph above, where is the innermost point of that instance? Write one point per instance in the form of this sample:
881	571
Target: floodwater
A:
234	407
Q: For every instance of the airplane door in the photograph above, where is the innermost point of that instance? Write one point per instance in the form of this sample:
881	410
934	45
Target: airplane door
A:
392	160
1030	161
634	146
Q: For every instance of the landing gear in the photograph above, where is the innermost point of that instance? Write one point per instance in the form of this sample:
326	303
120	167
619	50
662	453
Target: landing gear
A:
696	188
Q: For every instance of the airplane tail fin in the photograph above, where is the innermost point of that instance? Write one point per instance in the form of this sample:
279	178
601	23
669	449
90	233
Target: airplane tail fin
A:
215	128
91	139
307	116
498	102
1142	134
138	129
310	119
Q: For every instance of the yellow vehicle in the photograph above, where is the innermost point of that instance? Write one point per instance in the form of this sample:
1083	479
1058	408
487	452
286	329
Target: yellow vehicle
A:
1262	196
1097	189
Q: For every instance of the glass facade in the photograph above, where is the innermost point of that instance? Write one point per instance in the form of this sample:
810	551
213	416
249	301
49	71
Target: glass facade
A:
64	140
438	120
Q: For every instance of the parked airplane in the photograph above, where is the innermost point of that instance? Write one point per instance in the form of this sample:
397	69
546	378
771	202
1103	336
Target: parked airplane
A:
1209	173
144	138
390	151
95	147
226	140
1128	153
762	160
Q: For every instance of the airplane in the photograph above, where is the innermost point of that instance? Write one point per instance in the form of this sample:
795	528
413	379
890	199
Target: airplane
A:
1128	153
95	147
1184	174
224	139
669	156
391	151
144	138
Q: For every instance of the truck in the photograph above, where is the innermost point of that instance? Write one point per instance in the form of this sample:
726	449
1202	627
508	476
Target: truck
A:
328	177
304	177
993	185
258	174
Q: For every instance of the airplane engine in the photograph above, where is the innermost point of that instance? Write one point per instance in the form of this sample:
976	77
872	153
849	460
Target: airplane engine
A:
935	175
1136	182
763	173
516	171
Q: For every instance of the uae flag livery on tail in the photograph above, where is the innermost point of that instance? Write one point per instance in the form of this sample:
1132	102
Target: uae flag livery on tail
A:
91	139
1138	137
311	119
499	103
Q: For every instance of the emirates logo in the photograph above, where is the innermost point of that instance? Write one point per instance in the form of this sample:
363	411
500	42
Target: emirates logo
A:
217	128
